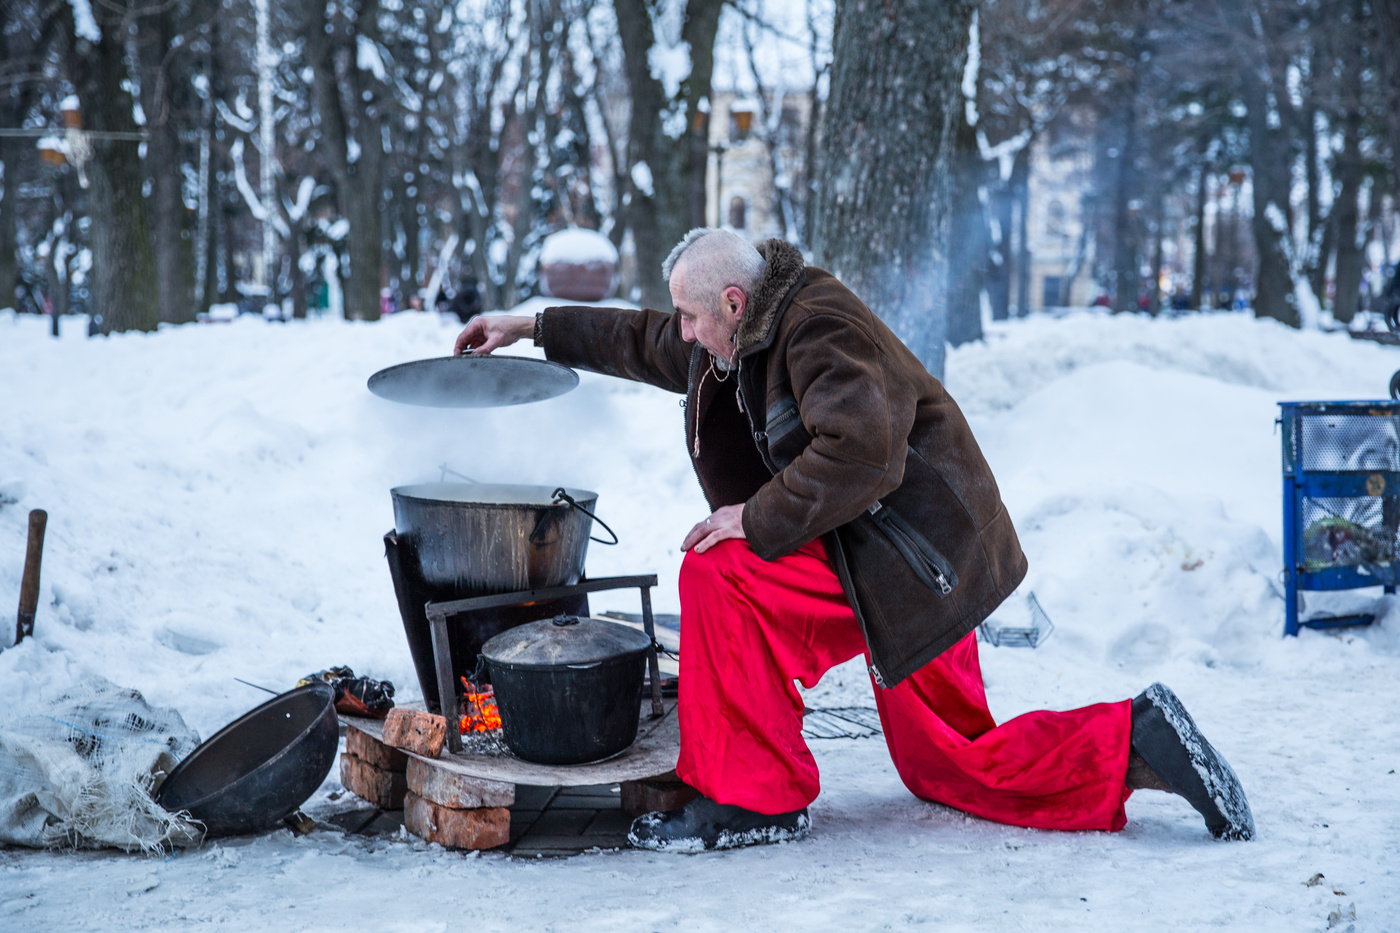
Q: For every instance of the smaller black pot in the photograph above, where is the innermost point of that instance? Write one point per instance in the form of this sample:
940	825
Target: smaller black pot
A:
260	767
569	690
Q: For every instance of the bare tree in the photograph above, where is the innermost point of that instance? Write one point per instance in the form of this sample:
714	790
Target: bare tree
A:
343	47
883	205
123	293
668	53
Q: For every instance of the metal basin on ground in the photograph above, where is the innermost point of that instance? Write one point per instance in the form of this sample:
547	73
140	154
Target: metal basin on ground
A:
260	767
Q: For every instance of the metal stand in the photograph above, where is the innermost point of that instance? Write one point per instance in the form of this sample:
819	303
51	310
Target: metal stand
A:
442	654
1338	455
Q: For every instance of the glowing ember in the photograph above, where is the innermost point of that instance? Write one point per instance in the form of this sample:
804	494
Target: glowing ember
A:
479	709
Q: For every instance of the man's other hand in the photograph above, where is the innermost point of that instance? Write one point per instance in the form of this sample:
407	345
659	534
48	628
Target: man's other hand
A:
484	334
727	522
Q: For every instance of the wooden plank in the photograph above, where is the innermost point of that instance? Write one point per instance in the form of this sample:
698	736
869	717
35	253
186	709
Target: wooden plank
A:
654	753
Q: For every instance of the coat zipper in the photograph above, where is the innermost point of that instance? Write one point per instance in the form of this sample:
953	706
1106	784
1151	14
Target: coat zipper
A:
911	552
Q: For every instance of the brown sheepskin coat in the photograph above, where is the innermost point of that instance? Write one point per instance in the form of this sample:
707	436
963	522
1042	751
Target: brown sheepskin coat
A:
830	427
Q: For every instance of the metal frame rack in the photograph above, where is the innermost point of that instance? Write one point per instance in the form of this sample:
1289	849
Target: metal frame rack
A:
1339	456
442	654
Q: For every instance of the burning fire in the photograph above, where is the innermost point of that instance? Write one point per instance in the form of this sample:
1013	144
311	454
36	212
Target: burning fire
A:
479	709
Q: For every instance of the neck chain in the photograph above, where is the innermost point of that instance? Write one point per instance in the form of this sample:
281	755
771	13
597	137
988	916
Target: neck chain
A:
699	389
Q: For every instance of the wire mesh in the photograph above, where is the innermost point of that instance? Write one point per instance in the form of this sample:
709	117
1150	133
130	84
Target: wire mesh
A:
1349	531
1029	635
1329	442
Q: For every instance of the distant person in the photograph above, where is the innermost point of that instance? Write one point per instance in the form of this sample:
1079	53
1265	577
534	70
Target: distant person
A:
466	304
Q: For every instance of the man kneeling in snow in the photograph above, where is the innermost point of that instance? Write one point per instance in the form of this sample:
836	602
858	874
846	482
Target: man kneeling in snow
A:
853	513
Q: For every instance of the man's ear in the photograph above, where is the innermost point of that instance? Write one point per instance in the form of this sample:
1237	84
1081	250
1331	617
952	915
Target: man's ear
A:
735	296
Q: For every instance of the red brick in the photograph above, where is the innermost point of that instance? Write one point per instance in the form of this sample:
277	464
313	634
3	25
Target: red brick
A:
484	828
367	748
384	789
415	731
457	791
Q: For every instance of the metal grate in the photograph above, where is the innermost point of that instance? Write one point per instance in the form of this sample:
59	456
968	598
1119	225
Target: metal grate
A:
1338	442
841	722
1030	635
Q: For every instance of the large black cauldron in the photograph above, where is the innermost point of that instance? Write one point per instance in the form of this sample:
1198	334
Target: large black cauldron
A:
569	690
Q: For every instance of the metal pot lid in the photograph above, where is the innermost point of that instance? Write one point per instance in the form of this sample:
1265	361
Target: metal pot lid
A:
564	641
473	381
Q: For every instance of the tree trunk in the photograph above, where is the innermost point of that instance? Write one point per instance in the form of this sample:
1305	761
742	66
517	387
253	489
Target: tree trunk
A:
12	150
1154	287
1021	191
346	118
1349	170
883	200
298	275
123	277
1347	210
20	54
674	151
1198	259
1125	221
1000	249
968	254
1387	14
1270	163
1314	259
162	165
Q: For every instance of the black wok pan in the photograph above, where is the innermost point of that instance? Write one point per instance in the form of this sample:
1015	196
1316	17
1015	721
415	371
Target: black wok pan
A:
260	767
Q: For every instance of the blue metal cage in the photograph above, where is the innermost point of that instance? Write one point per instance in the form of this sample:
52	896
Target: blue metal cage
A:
1341	502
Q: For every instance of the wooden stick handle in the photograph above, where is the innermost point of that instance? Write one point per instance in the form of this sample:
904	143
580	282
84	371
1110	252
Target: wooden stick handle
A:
29	583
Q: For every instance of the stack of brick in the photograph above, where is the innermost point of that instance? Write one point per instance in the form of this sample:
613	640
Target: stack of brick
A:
456	810
373	770
439	805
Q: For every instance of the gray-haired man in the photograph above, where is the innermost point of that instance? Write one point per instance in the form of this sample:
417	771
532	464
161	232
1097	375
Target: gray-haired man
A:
852	514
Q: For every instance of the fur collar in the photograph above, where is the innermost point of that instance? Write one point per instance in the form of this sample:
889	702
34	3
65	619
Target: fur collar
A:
786	272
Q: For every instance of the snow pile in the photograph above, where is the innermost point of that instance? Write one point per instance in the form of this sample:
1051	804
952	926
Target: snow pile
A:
577	246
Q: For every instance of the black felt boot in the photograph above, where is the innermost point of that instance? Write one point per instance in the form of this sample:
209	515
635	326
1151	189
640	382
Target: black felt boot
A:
703	824
1166	738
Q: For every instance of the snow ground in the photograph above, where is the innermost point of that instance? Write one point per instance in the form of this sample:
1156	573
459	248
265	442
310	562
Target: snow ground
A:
217	495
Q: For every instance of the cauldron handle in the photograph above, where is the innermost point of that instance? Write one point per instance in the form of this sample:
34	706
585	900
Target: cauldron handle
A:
561	496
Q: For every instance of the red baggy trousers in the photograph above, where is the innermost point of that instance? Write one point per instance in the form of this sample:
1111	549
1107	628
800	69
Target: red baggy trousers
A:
752	627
